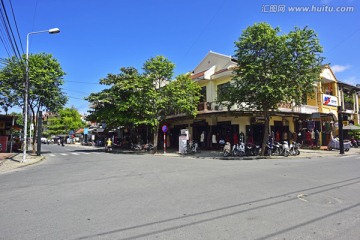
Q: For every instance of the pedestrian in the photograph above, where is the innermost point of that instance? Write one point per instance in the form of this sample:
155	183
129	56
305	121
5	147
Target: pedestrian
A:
214	140
108	144
317	136
202	139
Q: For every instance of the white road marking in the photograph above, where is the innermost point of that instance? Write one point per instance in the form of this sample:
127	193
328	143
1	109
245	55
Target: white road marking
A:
75	153
64	154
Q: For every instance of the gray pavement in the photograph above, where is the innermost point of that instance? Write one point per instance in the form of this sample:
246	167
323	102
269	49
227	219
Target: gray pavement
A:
83	193
10	162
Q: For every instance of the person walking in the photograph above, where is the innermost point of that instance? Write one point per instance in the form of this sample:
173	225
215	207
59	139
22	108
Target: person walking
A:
108	144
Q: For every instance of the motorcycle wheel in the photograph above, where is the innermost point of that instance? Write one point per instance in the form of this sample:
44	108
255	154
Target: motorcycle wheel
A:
226	153
235	152
276	152
297	152
286	153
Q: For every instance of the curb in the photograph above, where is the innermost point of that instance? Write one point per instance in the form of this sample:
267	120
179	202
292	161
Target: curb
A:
12	163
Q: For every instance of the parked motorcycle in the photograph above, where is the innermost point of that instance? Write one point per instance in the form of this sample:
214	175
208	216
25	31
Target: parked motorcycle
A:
238	149
354	142
284	149
136	147
227	149
252	149
294	149
148	147
276	149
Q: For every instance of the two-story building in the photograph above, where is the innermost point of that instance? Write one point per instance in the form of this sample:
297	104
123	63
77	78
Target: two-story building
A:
299	123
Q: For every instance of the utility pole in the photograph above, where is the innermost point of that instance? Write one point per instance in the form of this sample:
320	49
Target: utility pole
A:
39	133
341	132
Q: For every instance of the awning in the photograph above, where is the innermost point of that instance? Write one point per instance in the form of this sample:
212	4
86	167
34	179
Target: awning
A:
351	127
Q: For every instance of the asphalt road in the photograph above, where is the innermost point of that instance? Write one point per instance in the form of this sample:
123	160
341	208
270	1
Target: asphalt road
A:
78	193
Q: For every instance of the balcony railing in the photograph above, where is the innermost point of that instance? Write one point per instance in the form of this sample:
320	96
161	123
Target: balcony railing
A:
307	109
204	106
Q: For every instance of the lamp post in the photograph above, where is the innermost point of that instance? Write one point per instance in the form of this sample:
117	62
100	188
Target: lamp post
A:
26	97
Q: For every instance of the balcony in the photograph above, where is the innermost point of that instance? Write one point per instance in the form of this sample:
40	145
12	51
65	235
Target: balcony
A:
307	109
204	106
285	107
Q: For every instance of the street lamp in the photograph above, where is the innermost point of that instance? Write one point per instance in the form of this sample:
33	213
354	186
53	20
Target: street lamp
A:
26	97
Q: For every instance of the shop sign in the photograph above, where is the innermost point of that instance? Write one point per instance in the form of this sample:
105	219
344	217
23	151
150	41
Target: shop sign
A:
329	100
257	120
185	132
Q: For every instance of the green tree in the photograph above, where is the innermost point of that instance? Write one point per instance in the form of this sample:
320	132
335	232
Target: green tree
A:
66	120
45	80
119	104
144	98
272	69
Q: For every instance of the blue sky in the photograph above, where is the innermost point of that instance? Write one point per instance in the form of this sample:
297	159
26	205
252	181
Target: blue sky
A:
99	37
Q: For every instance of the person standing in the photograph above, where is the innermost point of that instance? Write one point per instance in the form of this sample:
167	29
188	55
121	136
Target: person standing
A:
317	136
214	141
202	139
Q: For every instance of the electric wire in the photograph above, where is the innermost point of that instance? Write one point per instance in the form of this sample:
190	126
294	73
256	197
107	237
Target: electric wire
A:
75	91
35	12
16	26
4	39
344	40
10	32
6	33
5	46
82	82
205	28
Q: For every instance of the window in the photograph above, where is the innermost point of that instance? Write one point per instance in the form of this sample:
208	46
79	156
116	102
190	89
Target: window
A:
221	88
203	94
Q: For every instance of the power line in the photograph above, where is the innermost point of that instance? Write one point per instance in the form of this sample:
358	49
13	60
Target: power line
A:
81	82
33	23
9	31
76	98
344	40
75	91
7	35
17	29
205	28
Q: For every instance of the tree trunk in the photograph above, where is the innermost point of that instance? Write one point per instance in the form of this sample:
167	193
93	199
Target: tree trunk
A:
156	137
266	131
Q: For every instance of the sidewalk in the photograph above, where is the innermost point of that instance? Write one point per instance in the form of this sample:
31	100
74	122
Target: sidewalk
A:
11	161
304	153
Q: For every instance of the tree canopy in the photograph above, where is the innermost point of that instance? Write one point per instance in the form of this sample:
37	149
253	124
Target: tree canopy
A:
273	69
63	122
45	81
135	98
